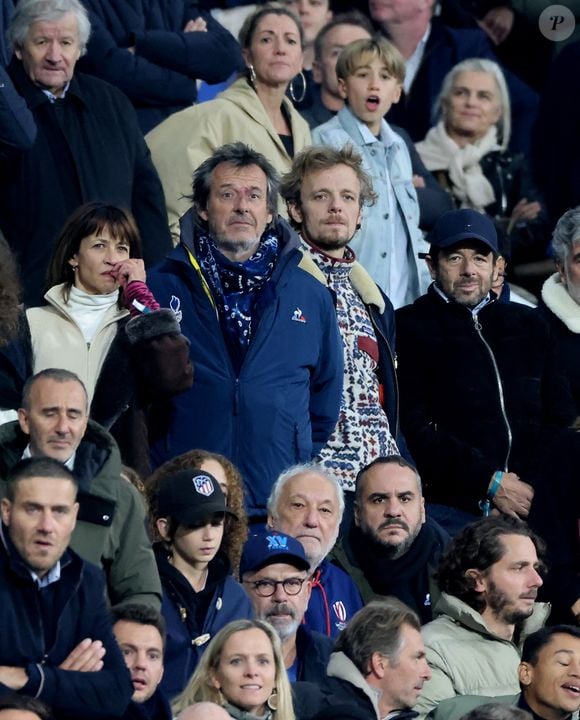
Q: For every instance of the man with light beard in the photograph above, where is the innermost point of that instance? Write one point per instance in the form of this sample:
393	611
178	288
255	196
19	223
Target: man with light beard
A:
327	191
391	547
489	579
276	575
307	502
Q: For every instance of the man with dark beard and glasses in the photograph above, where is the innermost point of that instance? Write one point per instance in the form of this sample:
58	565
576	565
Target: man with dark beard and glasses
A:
391	547
489	578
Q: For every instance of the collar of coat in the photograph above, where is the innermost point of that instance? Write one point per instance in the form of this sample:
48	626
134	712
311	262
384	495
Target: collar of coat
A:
558	300
341	667
33	94
362	282
463	614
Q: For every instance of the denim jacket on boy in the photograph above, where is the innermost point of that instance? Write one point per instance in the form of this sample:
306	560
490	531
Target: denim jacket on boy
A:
384	157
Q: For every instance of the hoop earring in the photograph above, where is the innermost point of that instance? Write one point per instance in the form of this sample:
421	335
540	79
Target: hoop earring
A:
252	76
272	701
291	88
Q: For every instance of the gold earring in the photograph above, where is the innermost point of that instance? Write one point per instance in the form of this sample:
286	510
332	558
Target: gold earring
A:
252	75
272	701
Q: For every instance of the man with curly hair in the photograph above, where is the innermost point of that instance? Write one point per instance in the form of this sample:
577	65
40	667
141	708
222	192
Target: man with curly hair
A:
489	579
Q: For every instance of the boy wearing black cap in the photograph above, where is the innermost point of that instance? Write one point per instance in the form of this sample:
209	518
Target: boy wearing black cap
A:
199	594
470	376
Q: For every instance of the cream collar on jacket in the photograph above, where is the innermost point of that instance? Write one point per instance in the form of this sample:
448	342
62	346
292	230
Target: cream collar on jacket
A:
558	300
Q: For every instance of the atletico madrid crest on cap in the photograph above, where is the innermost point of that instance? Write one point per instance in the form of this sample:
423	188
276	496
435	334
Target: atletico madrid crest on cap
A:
203	485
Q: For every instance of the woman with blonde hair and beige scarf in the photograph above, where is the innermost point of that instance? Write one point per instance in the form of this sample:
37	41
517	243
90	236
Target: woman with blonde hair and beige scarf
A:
467	151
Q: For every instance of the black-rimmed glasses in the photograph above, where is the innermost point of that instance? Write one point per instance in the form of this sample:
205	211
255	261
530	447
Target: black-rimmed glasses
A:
266	588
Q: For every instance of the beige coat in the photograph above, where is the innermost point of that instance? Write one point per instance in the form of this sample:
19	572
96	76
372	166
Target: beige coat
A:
57	341
182	142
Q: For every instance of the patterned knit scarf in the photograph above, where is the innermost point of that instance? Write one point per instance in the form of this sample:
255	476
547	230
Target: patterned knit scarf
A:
236	285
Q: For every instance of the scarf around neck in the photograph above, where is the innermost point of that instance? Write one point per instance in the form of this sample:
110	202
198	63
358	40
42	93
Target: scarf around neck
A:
406	577
470	186
238	714
237	285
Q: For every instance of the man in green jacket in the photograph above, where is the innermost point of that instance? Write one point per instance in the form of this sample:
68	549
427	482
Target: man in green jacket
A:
489	579
549	675
110	531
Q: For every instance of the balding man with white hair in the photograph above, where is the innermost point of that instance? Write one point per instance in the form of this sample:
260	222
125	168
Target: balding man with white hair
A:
307	502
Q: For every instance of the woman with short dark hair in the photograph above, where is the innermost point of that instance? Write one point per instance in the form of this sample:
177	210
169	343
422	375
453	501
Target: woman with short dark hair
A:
101	322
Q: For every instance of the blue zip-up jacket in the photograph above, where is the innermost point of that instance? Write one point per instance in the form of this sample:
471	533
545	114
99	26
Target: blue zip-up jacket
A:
282	405
334	599
187	635
313	652
77	601
159	77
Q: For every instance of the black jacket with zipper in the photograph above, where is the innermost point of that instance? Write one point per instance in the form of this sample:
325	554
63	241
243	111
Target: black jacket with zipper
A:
471	393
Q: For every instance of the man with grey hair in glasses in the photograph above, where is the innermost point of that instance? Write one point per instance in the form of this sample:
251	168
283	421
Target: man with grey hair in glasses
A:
275	573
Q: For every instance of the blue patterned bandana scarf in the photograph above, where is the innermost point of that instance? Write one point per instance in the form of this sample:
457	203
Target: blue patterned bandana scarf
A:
237	285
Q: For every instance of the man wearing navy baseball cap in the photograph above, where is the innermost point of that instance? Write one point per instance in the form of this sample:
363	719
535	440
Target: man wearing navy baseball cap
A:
276	575
470	375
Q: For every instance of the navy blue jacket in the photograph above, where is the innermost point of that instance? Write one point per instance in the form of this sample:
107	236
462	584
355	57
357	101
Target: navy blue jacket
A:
556	153
312	655
384	325
159	77
17	128
445	48
78	612
88	147
188	634
333	601
156	708
282	406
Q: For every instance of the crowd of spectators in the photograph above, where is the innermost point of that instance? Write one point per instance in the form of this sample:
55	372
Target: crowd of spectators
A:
289	386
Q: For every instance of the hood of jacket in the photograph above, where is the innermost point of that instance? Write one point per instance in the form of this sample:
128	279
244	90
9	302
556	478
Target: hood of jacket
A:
342	667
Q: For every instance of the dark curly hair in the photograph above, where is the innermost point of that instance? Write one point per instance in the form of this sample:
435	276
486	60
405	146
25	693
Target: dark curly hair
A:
479	546
235	531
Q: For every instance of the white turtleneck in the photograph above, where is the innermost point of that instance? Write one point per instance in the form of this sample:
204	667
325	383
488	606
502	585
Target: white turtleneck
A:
88	311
